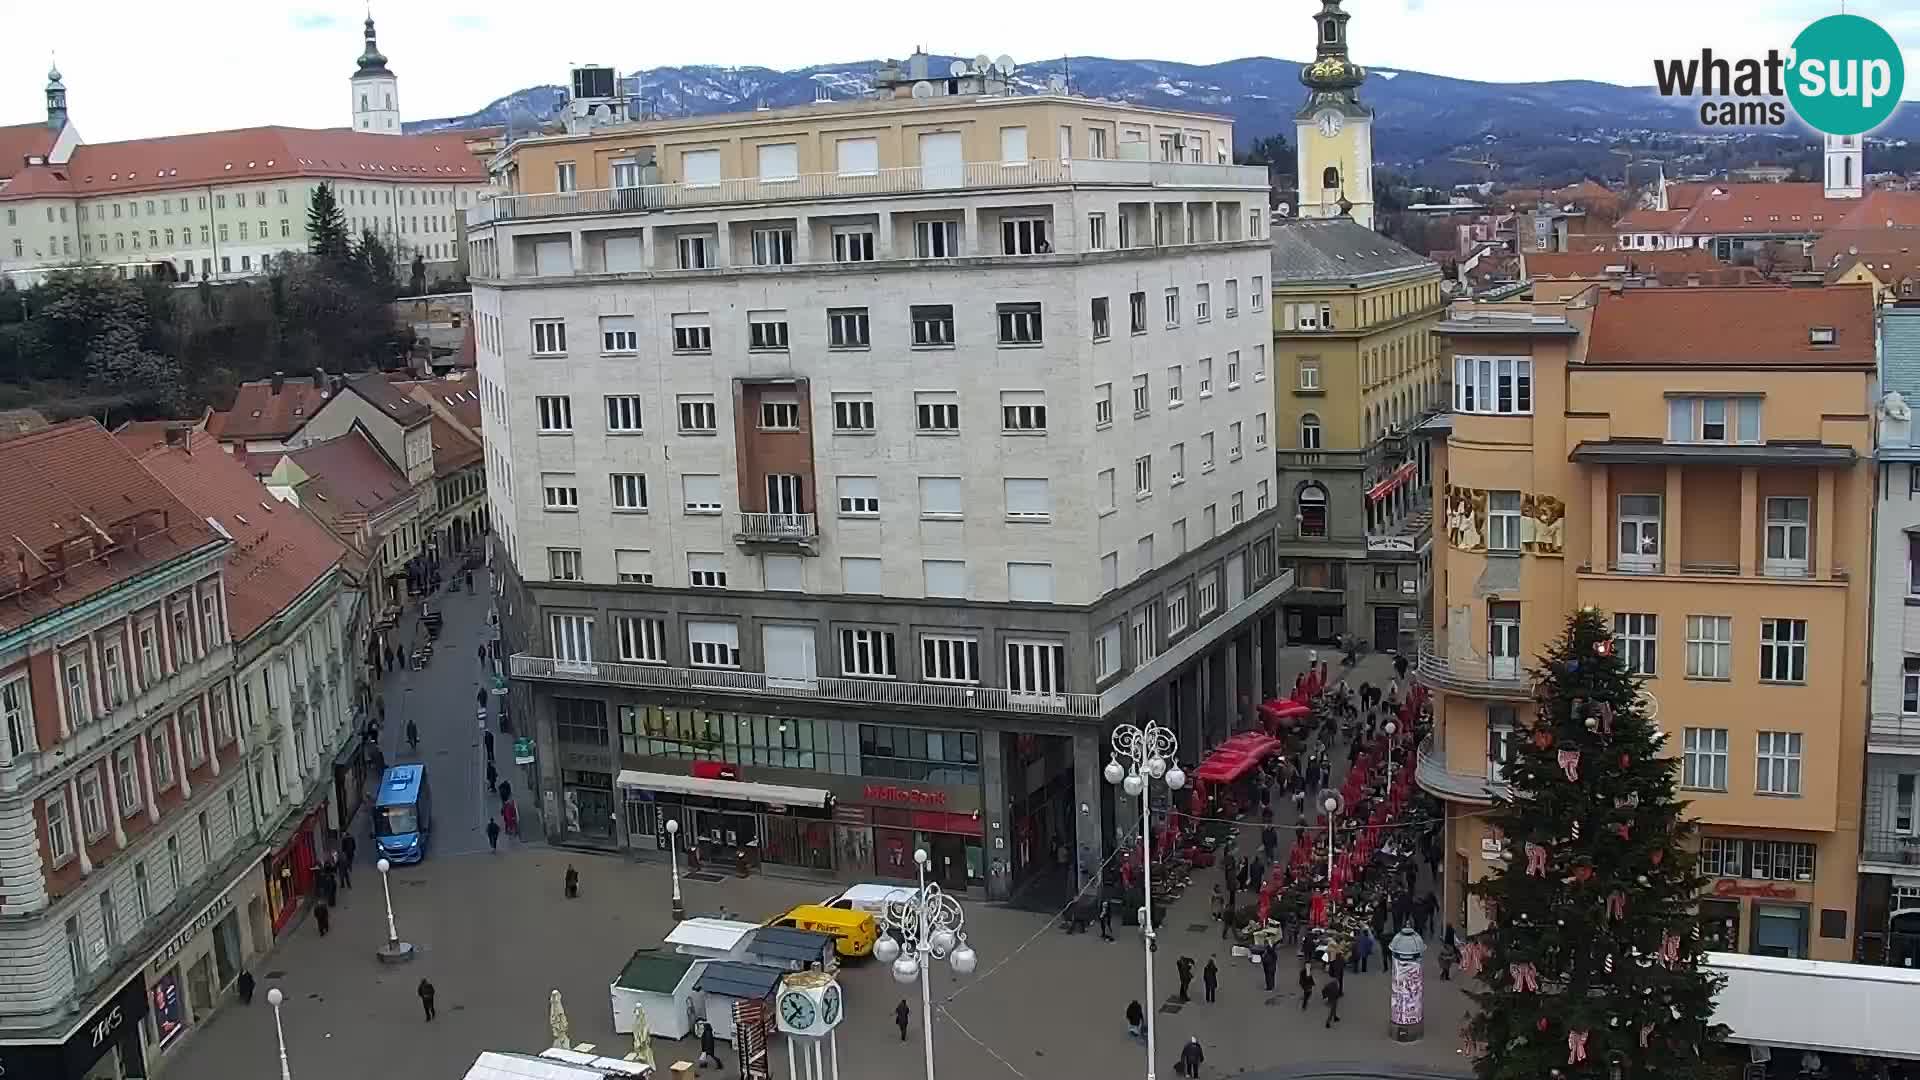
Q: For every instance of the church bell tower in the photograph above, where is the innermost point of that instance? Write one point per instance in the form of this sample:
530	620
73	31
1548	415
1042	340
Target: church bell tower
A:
376	91
1333	130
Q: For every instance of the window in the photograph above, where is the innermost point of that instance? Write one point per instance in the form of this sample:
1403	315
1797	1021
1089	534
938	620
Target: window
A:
937	411
940	496
860	574
60	846
561	494
767	330
783	573
1910	685
160	758
1030	582
694	253
701	493
1103	417
1142	396
632	566
852	243
932	325
867	654
1233	441
1709	646
1097	230
572	637
1103	490
713	644
1023	411
1019	323
773	247
1036	668
1635	634
1177	612
1207	592
1206	376
1259	431
1903	799
1177	464
93	807
142	895
1233	297
1309	375
1172	299
776	415
859	496
847	328
1639	540
778	162
1109	572
1262	497
692	333
949	659
1024	236
945	577
706	571
1783	650
1233	370
1498	386
1137	312
1713	420
75	685
629	493
1302	317
1503	521
853	413
193	739
697	414
623	413
1029	499
1202	302
126	782
556	415
1776	768
1503	639
1313	510
1145	625
1787	520
1143	476
1704	759
936	239
549	337
16	708
943	757
1206	452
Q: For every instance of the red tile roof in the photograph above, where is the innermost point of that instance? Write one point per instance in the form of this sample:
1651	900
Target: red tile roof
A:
459	394
260	413
1750	327
22	141
1650	221
1682	196
389	397
348	480
250	154
1594	264
453	448
1884	209
72	493
1732	209
279	552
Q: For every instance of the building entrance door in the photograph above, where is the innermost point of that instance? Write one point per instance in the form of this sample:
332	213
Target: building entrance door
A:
1386	628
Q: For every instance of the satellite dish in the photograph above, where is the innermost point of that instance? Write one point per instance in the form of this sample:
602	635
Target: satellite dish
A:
957	68
981	63
923	89
1004	63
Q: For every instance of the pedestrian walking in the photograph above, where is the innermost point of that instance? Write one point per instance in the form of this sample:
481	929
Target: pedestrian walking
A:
347	846
1332	992
479	650
709	1052
510	818
572	883
1106	920
506	792
493	777
1362	949
900	1016
480	699
1210	979
1431	909
245	986
425	990
486	740
1185	967
1191	1057
1337	968
1136	1017
1449	955
322	917
493	835
413	735
1269	963
343	868
1306	986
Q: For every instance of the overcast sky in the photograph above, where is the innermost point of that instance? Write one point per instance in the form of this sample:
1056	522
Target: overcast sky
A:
135	69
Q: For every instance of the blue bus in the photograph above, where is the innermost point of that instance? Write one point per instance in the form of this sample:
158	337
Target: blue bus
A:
403	814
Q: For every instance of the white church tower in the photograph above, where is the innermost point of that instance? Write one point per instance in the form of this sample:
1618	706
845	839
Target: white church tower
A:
376	92
1846	167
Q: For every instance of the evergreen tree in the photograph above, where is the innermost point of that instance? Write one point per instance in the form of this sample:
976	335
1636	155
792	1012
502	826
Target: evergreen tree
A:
327	237
1592	950
375	266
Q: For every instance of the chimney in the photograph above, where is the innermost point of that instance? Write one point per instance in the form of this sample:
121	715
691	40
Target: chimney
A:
177	436
321	382
279	381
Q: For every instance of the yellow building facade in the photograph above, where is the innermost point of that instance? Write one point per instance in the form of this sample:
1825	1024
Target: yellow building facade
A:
1696	463
1333	130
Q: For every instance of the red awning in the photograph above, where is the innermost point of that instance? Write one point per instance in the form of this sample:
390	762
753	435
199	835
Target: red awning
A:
1385	487
1282	708
1237	757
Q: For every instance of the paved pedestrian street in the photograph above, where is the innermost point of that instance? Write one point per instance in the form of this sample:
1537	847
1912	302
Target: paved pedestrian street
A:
495	934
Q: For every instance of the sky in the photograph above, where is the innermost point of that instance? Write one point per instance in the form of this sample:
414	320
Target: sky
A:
137	69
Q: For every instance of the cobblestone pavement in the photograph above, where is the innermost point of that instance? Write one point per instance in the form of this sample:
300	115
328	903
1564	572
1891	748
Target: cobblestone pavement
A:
495	935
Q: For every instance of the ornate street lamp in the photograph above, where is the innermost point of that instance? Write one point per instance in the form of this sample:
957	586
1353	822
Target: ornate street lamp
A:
931	927
394	951
274	998
673	859
1149	755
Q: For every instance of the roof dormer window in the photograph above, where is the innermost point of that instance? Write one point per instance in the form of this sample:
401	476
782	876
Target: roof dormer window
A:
1822	335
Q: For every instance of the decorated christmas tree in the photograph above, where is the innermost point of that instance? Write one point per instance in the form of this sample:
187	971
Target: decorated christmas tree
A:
1589	963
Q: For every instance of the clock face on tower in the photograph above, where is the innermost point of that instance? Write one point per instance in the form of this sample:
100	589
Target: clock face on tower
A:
830	1004
797	1011
1330	122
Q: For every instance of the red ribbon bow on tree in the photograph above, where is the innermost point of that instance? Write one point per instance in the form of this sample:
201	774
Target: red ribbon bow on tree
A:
1616	905
1576	1047
1525	977
1536	861
1570	761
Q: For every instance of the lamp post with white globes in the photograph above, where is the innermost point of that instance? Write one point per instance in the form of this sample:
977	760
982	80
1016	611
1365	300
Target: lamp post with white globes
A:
1149	755
274	998
1332	806
931	927
673	859
1390	728
394	951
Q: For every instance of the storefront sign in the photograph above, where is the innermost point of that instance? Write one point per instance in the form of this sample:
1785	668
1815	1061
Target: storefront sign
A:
208	916
1764	890
169	1011
903	796
115	1021
523	751
1378	544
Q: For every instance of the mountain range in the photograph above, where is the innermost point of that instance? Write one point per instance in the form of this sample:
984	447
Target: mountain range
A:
1417	114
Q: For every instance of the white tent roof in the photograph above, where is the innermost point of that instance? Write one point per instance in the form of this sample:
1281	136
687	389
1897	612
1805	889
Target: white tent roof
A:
715	935
550	1065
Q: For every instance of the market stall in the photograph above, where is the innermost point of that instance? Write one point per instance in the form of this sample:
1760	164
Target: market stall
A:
721	983
662	984
710	939
790	949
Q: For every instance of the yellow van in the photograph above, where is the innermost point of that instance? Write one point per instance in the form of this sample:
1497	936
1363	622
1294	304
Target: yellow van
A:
853	932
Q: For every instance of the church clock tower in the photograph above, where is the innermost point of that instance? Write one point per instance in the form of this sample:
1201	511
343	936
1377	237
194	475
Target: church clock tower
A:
1333	131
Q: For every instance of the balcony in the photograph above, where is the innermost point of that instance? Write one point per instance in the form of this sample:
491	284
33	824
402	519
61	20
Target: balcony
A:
789	531
1894	733
912	180
1461	786
885	692
1487	677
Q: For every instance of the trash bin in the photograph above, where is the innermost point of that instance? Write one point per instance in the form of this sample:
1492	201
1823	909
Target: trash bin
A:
1405	1003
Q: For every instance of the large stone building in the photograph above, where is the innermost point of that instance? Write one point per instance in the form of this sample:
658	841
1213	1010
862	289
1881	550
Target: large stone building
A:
853	468
1695	463
1356	369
